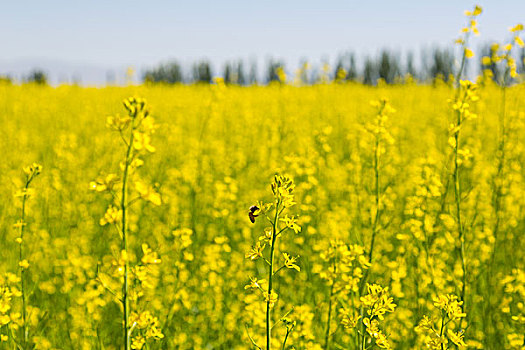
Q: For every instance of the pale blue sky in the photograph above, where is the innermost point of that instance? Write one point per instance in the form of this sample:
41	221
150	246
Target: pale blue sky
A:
141	33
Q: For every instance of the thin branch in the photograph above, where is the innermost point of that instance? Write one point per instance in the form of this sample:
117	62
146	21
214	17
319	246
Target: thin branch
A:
251	339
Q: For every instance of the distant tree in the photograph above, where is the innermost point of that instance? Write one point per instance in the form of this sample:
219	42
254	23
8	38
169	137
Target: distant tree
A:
234	74
169	73
241	76
442	64
369	72
252	78
37	76
497	70
351	74
273	71
411	69
271	74
385	67
388	67
202	72
227	75
488	66
339	67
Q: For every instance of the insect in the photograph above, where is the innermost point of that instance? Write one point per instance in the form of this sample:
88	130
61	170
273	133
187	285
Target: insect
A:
251	214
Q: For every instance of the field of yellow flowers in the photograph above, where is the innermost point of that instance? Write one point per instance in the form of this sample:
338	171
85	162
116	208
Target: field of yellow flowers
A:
263	217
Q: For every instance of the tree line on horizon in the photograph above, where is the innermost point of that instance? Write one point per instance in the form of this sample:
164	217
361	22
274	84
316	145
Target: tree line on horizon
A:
388	66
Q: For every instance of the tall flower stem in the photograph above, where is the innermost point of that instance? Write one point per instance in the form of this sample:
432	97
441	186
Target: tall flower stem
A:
457	182
377	199
377	180
457	196
124	231
20	259
329	318
492	331
270	278
31	172
441	332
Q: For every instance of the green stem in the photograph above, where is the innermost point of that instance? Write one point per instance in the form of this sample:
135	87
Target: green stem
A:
377	197
124	228
270	278
288	331
250	337
375	222
442	330
20	259
501	164
497	196
457	195
457	184
463	62
327	335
